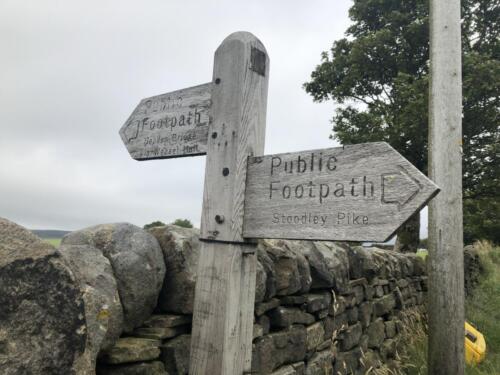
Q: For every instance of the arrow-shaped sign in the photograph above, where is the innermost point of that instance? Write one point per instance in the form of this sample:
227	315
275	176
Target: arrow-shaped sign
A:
362	192
170	125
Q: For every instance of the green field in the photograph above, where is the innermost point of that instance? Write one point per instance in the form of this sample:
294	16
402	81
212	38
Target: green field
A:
53	241
482	311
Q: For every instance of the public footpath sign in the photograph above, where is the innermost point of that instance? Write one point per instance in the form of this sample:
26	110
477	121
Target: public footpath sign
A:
169	125
354	193
362	192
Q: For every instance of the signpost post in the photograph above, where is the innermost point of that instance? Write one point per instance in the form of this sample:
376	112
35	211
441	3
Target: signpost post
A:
353	193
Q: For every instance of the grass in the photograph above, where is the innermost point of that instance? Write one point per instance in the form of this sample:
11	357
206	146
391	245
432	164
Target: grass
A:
482	310
53	241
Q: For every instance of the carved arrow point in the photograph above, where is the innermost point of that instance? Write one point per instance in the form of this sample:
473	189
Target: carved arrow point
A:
399	188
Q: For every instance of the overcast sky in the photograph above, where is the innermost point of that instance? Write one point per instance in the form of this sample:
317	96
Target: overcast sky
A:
73	71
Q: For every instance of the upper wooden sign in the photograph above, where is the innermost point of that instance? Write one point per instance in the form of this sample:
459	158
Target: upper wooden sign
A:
361	192
169	125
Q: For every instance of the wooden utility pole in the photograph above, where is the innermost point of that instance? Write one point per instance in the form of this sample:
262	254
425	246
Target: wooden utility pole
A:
221	341
446	269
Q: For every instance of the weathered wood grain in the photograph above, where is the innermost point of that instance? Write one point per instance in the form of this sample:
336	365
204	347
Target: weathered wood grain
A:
446	269
238	130
221	341
361	192
169	125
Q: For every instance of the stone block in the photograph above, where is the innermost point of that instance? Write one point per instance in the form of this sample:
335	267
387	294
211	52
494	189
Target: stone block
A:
362	263
142	368
321	314
321	276
390	329
258	331
315	335
298	368
369	292
181	249
261	308
264	322
384	305
337	262
318	301
131	349
286	266
376	333
347	362
160	333
260	282
293	300
320	363
327	344
275	349
329	326
359	293
283	317
340	322
352	315
267	264
388	349
351	337
167	321
365	313
398	297
175	355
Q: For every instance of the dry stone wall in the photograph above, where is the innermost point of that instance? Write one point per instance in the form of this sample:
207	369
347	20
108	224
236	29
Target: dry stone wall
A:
115	299
321	308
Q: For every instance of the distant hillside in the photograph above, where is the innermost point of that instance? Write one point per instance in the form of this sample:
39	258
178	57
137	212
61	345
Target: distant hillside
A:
50	233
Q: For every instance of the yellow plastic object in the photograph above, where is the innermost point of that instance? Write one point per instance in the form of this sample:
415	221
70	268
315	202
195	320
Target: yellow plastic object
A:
475	346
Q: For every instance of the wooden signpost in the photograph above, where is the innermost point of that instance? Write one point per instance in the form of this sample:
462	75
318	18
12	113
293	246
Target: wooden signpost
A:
353	193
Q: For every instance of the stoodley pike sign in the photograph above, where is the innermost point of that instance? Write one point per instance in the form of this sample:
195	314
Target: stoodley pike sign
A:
361	192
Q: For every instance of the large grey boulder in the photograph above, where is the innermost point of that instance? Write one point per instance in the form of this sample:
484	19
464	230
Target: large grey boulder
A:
103	310
181	250
137	262
42	314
